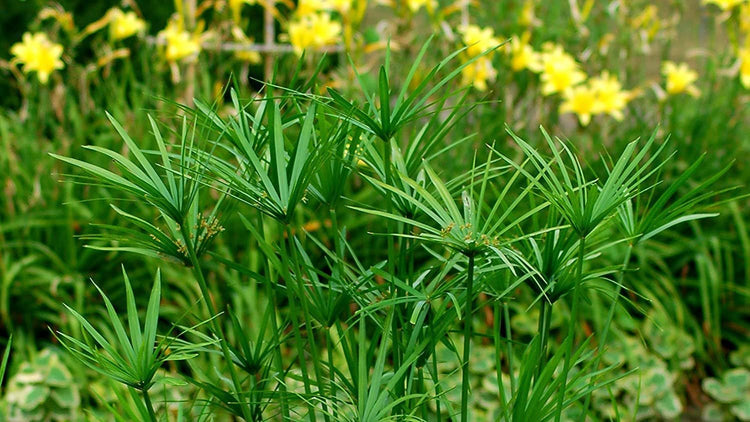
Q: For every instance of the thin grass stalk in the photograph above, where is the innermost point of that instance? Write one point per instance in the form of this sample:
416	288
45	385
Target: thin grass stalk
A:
286	264
337	244
434	373
149	406
70	235
498	359
278	356
508	337
421	389
545	314
316	359
339	249
331	374
608	322
569	340
198	273
468	329
399	317
509	345
412	383
409	268
394	290
300	286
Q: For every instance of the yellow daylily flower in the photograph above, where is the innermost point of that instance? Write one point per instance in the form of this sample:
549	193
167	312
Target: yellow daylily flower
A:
724	4
316	30
745	17
745	67
560	71
181	44
38	54
523	56
415	5
610	97
309	7
680	78
581	100
478	40
341	6
124	24
479	73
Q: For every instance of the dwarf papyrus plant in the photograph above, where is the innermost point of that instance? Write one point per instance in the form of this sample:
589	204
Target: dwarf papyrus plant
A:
135	353
386	115
465	223
363	242
174	188
586	203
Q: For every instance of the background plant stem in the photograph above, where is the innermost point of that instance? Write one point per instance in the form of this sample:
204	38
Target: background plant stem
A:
149	406
467	340
570	338
610	316
216	326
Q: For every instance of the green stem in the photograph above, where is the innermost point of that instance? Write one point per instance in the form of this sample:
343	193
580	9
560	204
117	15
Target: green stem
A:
331	373
397	358
422	390
149	406
544	321
467	341
198	273
290	285
300	286
607	324
337	243
70	235
569	340
278	357
499	362
339	248
509	345
434	372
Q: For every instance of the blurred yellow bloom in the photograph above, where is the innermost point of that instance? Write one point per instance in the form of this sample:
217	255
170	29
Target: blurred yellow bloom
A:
610	97
245	55
680	78
745	67
523	56
248	56
479	73
745	17
724	4
38	54
236	8
415	5
581	100
478	40
180	43
341	6
648	21
527	16
560	71
315	30
309	7
125	24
